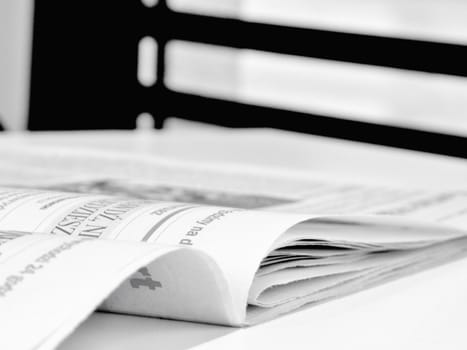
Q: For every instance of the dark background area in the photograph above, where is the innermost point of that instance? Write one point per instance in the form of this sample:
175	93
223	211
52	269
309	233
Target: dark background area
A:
84	66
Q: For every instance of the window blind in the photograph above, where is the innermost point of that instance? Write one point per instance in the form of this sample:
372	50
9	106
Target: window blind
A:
385	71
390	72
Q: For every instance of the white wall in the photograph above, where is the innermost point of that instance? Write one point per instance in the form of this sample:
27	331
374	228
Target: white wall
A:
15	48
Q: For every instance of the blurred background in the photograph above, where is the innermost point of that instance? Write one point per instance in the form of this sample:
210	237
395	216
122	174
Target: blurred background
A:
15	61
382	71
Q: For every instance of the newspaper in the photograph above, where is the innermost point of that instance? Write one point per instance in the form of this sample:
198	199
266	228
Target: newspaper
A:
223	245
49	284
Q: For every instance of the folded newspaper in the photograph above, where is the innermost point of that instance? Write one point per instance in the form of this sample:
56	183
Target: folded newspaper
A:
187	244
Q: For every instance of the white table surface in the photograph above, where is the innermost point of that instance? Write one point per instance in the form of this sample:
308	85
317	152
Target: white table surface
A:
424	311
427	310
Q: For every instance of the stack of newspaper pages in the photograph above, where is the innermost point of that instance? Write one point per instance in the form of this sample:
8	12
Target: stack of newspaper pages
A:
151	236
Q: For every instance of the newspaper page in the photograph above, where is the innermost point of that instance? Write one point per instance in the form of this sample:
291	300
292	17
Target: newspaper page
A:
49	283
224	234
315	261
264	263
232	185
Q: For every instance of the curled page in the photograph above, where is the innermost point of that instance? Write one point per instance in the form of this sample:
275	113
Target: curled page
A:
49	284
